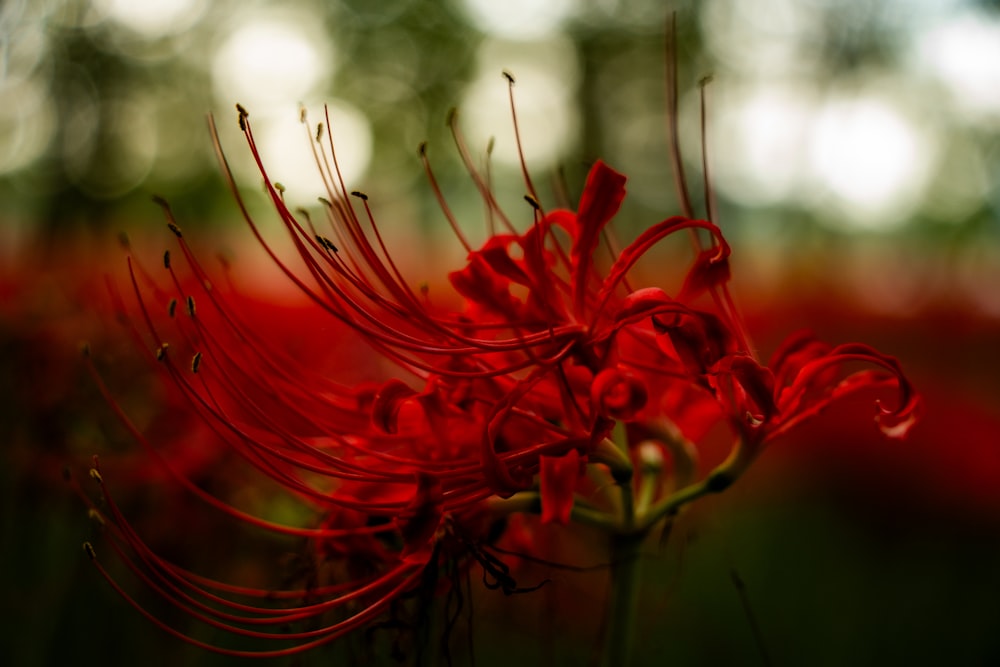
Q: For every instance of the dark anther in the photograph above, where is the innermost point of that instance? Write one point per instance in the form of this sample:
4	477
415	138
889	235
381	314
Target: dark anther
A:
175	229
360	195
166	259
88	549
196	362
510	77
534	202
172	307
242	116
190	306
326	243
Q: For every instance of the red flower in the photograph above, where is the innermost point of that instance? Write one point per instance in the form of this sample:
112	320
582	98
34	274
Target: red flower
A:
552	350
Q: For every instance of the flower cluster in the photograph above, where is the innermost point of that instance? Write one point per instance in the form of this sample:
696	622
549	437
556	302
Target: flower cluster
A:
555	368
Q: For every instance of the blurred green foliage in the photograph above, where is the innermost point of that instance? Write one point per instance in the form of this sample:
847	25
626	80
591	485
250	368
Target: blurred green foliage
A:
105	107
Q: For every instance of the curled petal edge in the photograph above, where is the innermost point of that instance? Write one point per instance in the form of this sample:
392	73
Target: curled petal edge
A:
894	423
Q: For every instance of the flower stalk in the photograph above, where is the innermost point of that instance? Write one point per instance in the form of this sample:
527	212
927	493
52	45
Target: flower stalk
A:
623	607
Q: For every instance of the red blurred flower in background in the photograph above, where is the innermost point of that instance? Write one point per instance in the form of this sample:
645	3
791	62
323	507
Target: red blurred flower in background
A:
555	376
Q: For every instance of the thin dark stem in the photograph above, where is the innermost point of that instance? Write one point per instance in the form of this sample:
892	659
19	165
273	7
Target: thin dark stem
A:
758	636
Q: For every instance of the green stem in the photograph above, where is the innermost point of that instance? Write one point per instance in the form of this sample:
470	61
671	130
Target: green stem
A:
672	503
718	480
631	520
624	580
628	507
593	517
624	600
528	502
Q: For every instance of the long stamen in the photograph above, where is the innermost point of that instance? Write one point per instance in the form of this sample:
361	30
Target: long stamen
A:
442	202
517	136
726	303
707	180
491	227
673	132
482	184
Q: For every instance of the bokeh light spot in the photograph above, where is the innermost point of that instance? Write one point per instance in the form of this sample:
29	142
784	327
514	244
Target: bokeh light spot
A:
270	60
153	18
964	54
758	142
871	158
27	124
519	19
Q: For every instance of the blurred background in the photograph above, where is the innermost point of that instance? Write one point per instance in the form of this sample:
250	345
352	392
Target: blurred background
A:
854	155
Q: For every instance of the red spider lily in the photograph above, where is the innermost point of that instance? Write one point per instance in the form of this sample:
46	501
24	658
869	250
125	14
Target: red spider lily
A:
552	352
